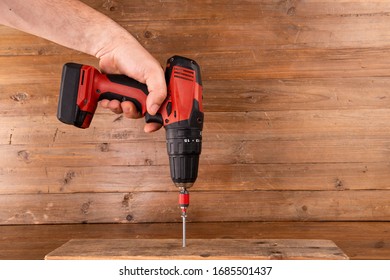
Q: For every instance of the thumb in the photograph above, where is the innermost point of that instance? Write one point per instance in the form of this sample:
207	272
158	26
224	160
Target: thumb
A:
157	91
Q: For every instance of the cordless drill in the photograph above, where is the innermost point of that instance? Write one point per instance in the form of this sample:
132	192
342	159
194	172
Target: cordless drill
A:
181	114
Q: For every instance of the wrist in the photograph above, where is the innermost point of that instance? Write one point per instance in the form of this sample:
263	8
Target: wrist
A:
109	40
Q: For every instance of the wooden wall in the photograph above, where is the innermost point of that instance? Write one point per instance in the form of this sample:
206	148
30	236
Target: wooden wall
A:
297	118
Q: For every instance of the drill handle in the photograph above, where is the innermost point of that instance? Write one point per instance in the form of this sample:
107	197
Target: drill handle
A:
129	96
83	86
130	83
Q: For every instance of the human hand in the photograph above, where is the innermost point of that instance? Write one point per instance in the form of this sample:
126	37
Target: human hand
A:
118	51
126	56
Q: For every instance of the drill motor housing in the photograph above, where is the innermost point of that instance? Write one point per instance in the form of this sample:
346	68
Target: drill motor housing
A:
184	130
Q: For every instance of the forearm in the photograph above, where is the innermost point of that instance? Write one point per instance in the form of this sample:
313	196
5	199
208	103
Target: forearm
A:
69	23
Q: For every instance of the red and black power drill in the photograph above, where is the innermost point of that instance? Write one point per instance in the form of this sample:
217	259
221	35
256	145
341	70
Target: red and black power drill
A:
82	87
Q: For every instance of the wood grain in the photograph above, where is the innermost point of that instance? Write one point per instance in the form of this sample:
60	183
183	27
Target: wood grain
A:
296	100
35	99
197	249
279	126
210	206
234	177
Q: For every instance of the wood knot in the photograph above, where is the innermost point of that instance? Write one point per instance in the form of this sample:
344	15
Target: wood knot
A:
41	51
24	155
104	147
291	11
85	207
110	5
126	200
19	97
148	34
68	177
339	185
129	218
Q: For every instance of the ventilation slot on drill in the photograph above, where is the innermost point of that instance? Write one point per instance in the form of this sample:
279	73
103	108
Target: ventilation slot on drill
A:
82	77
183	73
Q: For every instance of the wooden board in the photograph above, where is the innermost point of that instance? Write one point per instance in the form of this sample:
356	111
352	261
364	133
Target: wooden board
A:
197	249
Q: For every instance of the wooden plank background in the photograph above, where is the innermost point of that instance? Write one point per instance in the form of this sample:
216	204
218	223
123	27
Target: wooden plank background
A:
297	118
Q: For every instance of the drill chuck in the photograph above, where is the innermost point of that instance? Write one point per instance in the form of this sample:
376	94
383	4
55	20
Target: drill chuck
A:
184	147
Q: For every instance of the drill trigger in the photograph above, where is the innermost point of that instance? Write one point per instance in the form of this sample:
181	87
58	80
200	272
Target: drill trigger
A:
157	118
